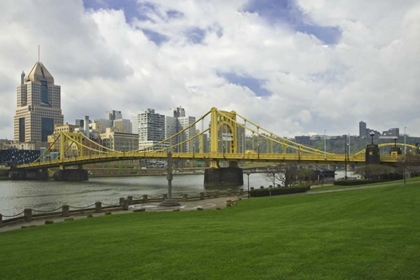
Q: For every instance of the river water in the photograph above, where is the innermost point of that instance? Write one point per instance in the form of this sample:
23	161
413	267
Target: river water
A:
50	195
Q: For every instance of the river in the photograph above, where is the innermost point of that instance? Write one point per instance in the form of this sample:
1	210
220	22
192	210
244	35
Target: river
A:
50	195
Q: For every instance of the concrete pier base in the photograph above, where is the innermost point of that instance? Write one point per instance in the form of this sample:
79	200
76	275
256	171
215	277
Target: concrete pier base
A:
98	206
71	175
223	177
28	174
27	213
65	209
170	203
125	204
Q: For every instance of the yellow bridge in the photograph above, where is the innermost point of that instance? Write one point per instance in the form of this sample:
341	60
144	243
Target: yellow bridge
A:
223	139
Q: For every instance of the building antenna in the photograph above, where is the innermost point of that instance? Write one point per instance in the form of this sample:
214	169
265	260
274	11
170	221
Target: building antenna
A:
39	53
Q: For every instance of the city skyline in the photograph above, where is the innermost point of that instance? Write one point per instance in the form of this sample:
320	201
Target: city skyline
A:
293	67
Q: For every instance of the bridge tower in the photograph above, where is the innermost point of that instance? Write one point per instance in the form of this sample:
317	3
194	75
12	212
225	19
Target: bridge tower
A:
70	145
372	155
223	139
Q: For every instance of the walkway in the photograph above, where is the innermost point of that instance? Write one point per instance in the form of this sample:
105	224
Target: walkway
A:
211	203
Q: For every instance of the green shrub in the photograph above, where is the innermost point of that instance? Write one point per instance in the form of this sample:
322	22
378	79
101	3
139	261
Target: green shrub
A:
279	191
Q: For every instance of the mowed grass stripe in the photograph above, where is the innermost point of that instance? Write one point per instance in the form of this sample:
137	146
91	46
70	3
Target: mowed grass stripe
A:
363	234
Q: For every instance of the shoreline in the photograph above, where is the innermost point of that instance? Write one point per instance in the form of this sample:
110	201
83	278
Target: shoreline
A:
153	173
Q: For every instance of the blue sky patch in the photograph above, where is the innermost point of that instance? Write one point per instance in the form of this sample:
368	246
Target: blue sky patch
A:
156	37
195	35
287	12
174	14
131	8
252	83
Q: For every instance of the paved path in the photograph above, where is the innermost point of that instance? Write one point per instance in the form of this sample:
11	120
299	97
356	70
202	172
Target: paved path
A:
211	203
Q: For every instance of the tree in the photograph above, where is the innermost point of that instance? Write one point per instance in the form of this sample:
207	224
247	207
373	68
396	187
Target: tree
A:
376	172
410	165
287	174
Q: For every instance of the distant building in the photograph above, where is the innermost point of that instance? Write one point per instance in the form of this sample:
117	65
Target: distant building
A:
177	122
38	106
102	124
119	141
150	127
392	132
114	120
113	115
363	131
122	125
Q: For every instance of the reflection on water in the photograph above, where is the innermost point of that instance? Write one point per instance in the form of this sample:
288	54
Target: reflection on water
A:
48	195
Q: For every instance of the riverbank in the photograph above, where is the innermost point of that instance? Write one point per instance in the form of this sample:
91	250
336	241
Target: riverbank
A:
47	195
121	172
206	201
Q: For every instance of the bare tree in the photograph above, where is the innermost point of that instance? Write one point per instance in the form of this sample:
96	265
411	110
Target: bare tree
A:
288	174
376	171
410	164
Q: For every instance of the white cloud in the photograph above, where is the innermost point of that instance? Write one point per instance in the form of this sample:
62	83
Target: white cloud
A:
102	63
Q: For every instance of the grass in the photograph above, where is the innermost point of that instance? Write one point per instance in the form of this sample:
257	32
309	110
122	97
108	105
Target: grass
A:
338	187
365	234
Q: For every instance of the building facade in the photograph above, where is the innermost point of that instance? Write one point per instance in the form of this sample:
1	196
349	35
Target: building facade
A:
113	115
115	121
363	130
38	106
119	141
150	128
177	122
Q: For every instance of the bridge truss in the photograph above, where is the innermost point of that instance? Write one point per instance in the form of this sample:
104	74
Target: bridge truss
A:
223	137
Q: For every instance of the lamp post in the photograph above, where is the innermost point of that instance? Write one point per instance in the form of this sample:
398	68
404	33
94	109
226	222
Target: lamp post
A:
248	172
405	141
349	144
345	157
272	170
404	170
258	149
395	141
325	144
224	150
371	135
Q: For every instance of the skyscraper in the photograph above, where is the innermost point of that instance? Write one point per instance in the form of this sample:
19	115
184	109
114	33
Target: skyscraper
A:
113	115
38	106
176	122
151	128
362	129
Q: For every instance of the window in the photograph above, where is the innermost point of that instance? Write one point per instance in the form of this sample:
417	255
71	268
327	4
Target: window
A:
44	93
47	128
21	129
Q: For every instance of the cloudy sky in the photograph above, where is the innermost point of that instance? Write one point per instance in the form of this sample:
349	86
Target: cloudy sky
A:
293	66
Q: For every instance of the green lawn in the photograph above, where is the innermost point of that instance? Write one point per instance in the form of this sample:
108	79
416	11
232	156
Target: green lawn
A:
364	234
338	187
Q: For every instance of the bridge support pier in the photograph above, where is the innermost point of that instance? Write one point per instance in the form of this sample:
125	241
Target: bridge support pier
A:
71	175
223	177
28	174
